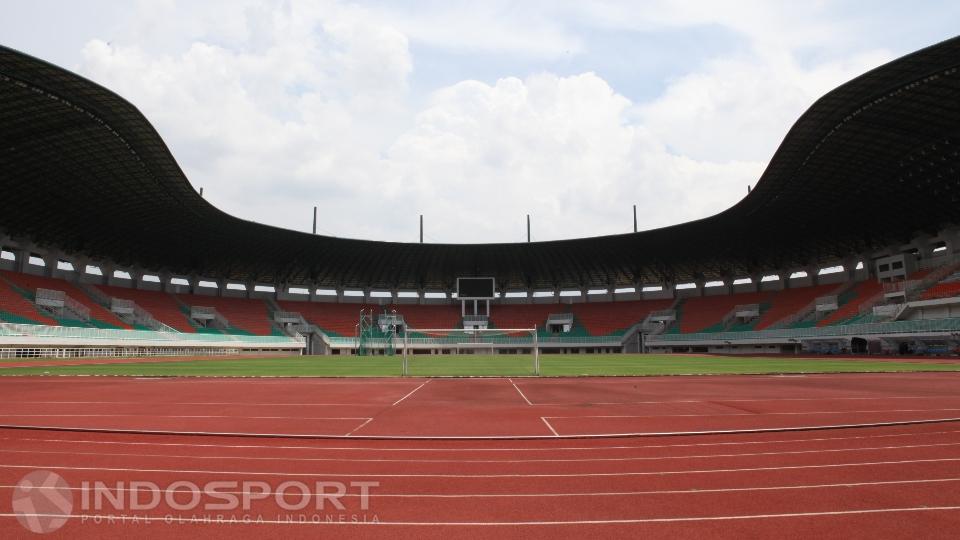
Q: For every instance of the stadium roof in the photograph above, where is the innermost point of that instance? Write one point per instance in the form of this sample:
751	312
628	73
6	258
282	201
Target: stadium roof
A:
873	163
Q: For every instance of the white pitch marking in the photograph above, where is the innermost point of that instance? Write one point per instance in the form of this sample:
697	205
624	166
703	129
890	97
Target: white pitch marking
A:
691	491
397	402
444	475
207	521
520	392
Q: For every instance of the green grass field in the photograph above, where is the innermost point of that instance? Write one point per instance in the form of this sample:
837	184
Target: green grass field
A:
483	365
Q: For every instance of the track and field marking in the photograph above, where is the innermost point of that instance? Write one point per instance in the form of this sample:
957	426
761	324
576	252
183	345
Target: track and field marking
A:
550	427
151	416
520	392
721	401
194	403
354	430
689	491
397	402
477	461
207	521
478	449
593	436
791	413
447	475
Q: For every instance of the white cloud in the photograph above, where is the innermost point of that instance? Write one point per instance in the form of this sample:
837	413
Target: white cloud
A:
276	107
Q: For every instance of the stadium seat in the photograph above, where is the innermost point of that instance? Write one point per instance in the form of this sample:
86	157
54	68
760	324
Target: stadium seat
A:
788	302
100	316
245	315
162	306
15	308
705	313
611	318
851	302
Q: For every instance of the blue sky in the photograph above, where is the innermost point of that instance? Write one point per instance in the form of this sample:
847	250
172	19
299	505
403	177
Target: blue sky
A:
473	114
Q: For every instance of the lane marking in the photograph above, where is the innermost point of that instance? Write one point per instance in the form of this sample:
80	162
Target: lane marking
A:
354	430
151	416
168	404
476	461
479	449
520	392
437	475
591	436
206	521
690	491
746	414
720	400
555	434
397	402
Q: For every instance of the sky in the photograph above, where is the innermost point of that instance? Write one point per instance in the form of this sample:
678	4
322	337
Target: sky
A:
473	114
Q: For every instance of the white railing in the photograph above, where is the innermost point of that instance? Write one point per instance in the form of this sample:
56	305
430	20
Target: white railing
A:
889	328
53	333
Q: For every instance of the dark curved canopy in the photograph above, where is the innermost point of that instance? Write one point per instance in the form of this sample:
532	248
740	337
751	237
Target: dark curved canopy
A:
872	163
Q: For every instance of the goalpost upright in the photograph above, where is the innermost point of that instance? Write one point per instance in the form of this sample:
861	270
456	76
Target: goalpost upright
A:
462	338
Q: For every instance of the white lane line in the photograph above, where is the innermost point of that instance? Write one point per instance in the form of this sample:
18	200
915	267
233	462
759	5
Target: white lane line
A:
690	491
207	521
397	402
720	400
512	475
751	414
550	449
356	429
520	392
174	403
555	434
476	461
150	416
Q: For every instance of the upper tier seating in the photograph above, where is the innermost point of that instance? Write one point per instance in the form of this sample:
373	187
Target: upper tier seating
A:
606	318
15	308
162	306
860	294
100	316
244	314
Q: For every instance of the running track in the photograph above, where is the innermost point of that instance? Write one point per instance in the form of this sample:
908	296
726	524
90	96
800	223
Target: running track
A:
868	482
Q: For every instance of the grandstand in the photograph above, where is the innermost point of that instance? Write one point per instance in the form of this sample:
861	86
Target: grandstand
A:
691	285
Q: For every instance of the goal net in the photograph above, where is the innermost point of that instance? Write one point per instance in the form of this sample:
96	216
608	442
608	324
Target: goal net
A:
470	352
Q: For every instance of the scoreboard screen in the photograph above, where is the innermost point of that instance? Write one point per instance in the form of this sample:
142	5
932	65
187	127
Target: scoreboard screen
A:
475	288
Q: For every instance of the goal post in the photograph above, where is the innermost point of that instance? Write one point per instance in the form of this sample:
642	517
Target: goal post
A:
470	352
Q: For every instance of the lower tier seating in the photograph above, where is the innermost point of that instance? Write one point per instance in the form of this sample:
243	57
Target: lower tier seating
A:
100	316
162	306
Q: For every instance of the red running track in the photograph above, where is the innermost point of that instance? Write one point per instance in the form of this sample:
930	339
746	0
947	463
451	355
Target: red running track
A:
886	481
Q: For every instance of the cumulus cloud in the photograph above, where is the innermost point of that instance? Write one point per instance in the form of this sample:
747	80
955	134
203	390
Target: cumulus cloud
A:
276	108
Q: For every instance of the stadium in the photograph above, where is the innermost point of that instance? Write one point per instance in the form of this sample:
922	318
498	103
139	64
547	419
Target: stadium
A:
788	362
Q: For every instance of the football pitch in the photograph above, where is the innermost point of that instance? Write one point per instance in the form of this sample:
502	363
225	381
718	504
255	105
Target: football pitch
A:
471	365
